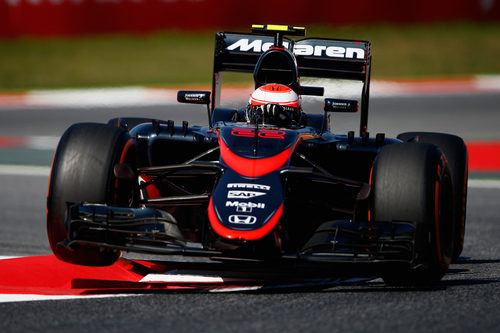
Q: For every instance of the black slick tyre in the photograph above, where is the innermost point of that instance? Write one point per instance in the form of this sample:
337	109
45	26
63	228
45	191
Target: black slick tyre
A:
456	154
82	171
411	182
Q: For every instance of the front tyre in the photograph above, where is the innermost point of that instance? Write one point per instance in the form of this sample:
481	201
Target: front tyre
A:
456	154
82	171
411	182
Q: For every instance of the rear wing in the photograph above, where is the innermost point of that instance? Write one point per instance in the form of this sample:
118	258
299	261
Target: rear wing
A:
316	57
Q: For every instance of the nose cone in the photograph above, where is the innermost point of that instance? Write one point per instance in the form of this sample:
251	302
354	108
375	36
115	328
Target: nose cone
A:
244	208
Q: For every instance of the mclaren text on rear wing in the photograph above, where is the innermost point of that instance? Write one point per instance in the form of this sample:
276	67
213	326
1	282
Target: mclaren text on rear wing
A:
316	57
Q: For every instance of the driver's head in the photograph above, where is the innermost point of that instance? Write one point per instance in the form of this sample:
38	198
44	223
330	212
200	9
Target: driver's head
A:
274	104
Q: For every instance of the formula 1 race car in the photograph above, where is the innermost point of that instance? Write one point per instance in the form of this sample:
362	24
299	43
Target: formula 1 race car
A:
267	183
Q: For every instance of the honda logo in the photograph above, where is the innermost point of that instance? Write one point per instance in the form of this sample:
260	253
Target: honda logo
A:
242	219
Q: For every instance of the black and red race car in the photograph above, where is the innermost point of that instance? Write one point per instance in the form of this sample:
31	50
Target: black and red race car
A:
289	195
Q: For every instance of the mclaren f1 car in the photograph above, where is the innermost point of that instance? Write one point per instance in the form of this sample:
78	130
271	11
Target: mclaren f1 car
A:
266	183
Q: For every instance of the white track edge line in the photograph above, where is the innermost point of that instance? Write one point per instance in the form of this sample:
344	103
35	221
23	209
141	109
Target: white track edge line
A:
24	170
484	183
9	298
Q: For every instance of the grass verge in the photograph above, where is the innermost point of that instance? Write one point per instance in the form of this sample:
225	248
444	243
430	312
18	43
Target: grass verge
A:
173	58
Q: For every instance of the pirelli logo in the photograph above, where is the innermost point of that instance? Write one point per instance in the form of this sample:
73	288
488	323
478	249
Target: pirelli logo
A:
331	51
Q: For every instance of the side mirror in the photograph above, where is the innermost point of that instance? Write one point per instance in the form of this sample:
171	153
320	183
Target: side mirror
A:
193	97
341	105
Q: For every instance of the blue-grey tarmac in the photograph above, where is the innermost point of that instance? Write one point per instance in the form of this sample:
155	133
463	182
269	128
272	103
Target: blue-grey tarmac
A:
467	299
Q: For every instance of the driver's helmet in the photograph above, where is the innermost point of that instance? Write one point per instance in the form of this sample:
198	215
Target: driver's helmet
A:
274	104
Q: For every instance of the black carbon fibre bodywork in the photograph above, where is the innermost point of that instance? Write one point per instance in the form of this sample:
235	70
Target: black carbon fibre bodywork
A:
326	178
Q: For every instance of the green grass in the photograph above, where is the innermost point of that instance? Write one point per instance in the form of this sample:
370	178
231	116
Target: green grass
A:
178	59
440	50
115	60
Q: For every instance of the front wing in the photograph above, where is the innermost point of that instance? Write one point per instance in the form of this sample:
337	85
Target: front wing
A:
147	230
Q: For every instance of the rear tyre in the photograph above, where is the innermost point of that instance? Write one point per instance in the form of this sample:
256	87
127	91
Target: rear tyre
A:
411	182
456	154
82	171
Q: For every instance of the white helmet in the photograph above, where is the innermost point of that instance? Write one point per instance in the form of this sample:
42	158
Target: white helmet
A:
275	103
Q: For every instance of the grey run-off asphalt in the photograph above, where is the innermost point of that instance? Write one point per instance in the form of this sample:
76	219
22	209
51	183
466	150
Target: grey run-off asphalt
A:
467	299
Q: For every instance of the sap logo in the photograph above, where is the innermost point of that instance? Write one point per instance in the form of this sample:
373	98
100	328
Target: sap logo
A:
257	45
250	186
242	219
244	194
245	207
329	51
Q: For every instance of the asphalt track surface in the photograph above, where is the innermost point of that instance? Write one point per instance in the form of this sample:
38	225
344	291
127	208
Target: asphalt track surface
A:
467	299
